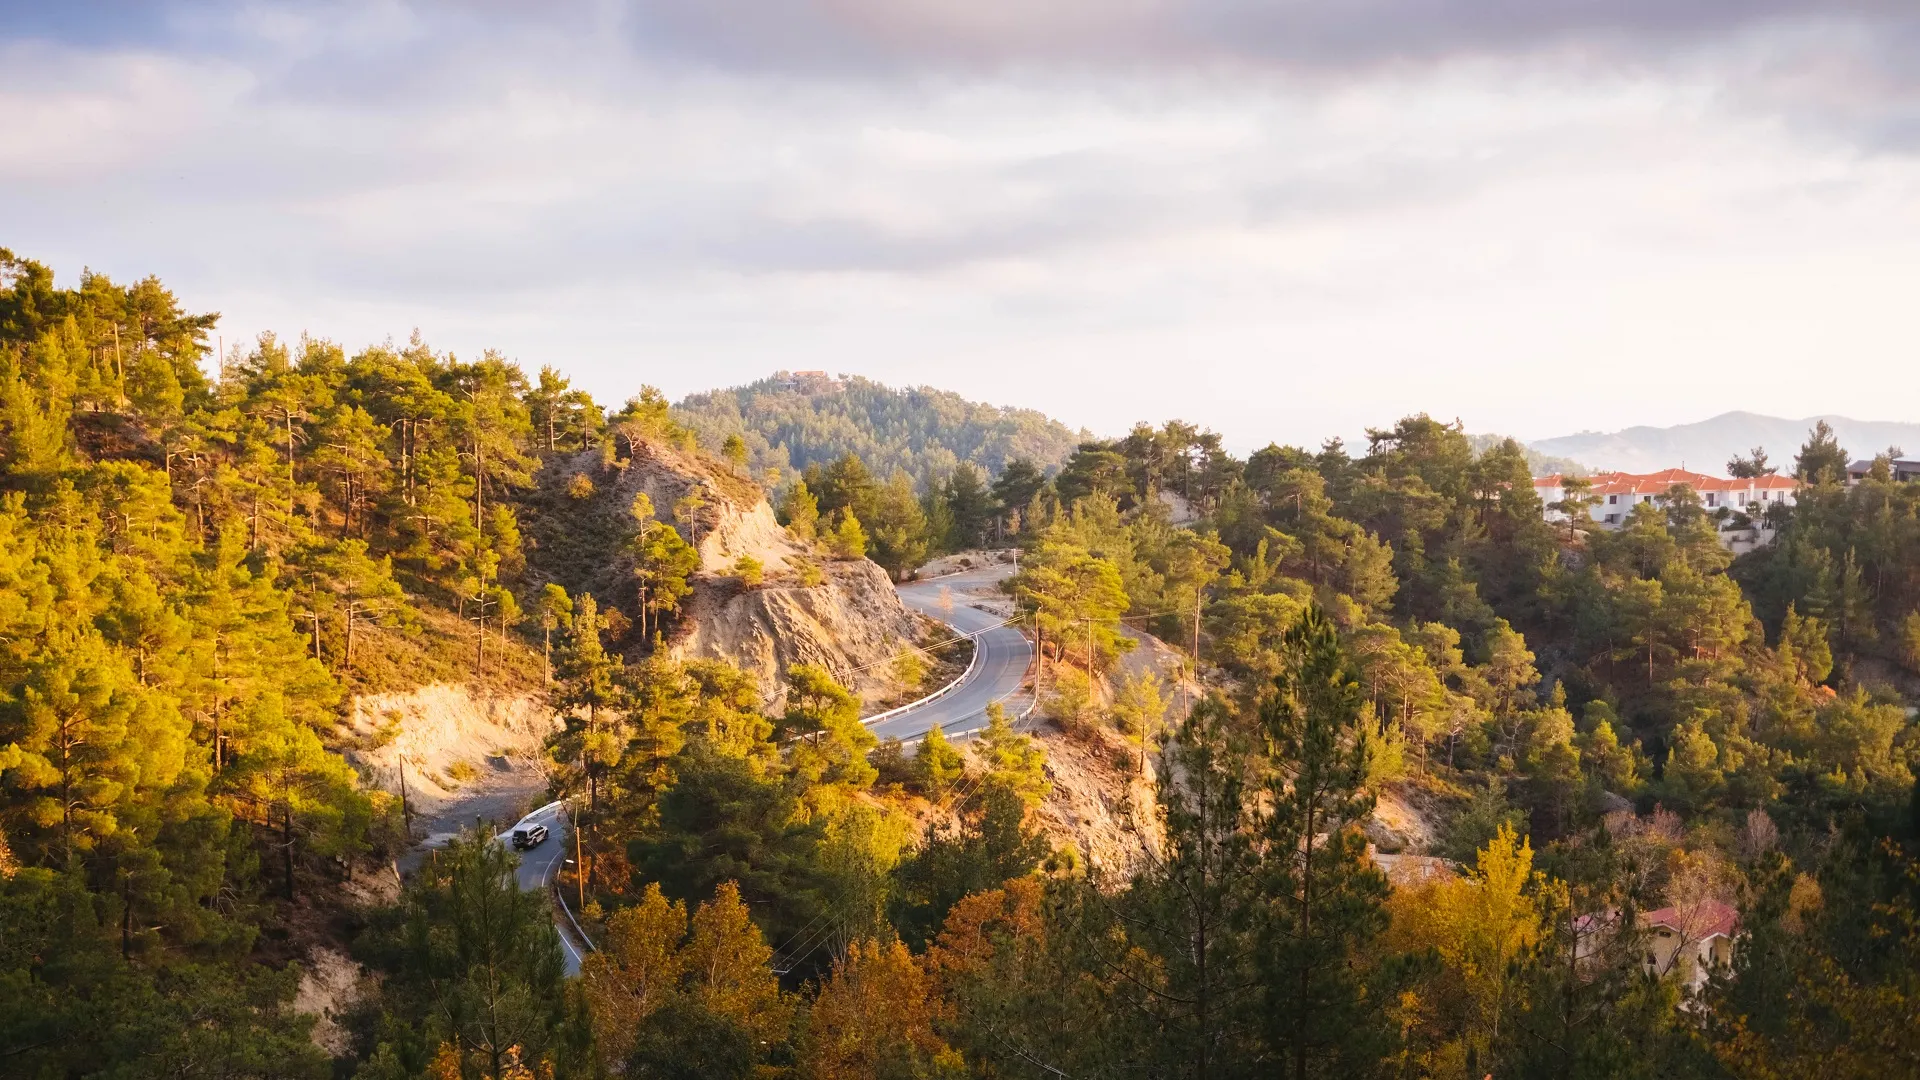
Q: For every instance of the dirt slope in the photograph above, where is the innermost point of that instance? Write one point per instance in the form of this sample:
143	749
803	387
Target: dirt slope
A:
465	753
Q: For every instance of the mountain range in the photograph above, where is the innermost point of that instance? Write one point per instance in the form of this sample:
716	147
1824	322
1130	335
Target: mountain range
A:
1707	445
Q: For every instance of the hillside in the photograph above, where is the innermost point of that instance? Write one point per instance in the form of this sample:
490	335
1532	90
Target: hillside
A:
1706	446
849	620
792	421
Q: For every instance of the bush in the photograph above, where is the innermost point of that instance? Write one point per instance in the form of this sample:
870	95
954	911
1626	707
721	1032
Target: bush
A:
809	573
910	670
1069	704
750	571
580	487
461	772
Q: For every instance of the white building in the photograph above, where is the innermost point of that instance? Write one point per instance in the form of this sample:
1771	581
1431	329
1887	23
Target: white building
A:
1743	524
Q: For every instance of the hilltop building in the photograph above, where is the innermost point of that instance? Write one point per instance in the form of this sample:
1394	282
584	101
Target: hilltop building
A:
1900	469
1740	505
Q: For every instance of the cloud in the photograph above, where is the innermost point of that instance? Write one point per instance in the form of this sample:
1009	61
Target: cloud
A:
1319	215
1293	34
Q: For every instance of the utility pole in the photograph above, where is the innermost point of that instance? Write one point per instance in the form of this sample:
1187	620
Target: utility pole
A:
1092	697
1039	658
579	865
406	811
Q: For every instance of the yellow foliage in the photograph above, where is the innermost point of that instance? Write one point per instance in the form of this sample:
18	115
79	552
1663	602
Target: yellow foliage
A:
874	1017
729	963
1477	926
639	966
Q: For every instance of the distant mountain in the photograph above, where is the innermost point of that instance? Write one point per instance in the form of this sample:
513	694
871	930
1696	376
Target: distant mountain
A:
797	418
1707	445
1541	464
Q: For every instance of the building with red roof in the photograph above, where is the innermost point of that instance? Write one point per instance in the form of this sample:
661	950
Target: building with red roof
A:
1691	941
1740	505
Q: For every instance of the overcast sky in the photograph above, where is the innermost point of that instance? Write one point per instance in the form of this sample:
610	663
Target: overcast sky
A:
1282	219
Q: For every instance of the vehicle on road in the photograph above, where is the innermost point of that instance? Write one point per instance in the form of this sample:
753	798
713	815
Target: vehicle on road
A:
529	837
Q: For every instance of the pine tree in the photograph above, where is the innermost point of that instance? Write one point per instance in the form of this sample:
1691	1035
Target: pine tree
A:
1327	914
936	764
586	687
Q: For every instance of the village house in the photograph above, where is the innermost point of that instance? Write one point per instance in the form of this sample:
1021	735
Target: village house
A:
1739	505
1691	942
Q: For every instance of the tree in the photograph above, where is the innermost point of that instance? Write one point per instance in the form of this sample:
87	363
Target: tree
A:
1576	505
1139	705
1177	935
586	687
986	845
936	764
1016	486
831	743
1822	460
844	485
554	609
750	571
662	563
849	539
1070	591
1013	761
971	505
874	1018
1095	469
728	968
473	963
635	972
734	449
1329	910
1480	929
1751	467
726	819
284	774
899	528
800	511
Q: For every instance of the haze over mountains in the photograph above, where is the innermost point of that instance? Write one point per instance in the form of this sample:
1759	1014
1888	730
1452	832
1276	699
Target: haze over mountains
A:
1706	446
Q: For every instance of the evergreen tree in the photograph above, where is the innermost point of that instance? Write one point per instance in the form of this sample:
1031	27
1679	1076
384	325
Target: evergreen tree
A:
1320	935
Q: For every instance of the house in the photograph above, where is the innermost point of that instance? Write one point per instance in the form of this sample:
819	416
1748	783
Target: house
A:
1739	504
1901	469
1691	941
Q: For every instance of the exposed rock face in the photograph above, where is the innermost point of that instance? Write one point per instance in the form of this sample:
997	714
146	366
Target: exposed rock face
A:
465	753
852	623
1100	804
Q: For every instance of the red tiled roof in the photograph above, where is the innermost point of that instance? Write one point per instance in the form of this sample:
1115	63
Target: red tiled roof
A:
1708	918
1658	483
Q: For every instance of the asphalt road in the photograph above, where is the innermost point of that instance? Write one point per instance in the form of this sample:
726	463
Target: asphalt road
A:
1004	656
540	865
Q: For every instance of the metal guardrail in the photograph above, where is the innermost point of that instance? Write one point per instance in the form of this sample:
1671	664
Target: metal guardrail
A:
560	894
973	662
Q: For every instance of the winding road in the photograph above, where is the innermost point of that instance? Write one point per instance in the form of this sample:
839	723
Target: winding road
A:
1003	655
998	672
538	868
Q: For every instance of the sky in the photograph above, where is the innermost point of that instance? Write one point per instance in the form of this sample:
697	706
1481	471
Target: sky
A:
1281	219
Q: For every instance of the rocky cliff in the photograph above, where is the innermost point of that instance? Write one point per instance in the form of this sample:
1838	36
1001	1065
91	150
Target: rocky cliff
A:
851	622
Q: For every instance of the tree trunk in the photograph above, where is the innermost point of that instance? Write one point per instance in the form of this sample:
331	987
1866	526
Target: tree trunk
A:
286	849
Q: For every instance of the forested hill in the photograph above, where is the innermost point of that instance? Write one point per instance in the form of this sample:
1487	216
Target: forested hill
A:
789	422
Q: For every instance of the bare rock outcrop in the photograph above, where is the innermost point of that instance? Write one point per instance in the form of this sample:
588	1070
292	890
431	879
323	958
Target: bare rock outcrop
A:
465	753
852	622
